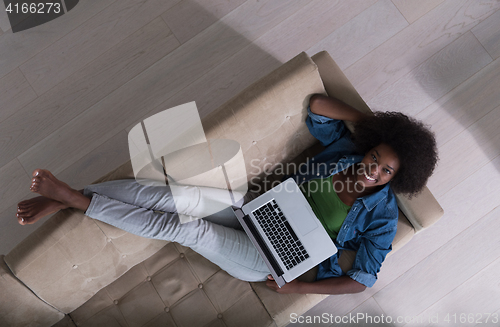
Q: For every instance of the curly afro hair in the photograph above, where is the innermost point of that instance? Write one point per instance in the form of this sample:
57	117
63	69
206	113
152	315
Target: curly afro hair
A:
412	141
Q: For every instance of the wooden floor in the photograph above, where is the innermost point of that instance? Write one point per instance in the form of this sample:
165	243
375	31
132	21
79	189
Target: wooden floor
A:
71	89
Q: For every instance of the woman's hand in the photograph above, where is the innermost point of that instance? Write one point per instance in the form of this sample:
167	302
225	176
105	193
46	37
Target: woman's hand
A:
288	288
334	285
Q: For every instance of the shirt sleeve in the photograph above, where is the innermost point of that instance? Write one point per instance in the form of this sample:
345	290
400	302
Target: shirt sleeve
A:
326	130
369	257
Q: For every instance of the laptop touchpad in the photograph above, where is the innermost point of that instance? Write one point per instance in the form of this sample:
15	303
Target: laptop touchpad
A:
307	221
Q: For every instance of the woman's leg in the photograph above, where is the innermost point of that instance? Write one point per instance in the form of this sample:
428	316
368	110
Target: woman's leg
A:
230	249
193	201
226	247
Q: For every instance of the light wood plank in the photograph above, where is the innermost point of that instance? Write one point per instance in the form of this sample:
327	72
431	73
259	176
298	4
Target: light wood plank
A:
488	33
474	298
188	18
330	317
467	152
362	34
90	40
152	87
464	105
434	78
413	10
15	182
101	160
322	17
367	314
337	305
16	48
444	270
416	43
85	88
15	93
252	63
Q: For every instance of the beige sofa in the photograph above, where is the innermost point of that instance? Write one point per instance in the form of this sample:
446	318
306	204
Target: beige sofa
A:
74	270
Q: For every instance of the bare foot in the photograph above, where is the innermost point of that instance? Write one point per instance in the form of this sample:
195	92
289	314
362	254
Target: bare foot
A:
47	185
32	210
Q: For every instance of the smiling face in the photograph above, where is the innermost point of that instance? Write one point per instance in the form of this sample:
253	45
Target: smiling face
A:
378	167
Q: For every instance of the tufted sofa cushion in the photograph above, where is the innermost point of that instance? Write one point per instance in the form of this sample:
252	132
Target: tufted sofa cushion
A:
174	287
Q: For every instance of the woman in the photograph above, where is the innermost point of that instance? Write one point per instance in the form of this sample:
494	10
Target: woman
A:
357	208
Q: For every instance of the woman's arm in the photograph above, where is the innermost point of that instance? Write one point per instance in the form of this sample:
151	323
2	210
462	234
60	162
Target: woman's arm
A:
335	285
334	108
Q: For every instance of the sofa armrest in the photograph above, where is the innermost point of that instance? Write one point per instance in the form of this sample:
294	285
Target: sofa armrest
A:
19	306
422	210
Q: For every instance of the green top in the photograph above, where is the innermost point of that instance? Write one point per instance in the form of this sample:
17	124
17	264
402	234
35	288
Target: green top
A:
326	204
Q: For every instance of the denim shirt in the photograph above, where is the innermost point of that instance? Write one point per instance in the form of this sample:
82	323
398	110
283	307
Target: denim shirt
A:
370	225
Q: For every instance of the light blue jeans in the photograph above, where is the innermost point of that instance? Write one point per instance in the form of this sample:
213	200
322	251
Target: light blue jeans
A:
149	211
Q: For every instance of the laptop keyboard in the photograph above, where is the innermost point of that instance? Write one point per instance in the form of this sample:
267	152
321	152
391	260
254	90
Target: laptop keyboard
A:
280	234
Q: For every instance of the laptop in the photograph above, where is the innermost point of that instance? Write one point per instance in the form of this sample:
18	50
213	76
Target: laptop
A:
286	232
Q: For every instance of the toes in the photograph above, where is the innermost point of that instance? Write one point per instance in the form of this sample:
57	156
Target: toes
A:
21	209
22	219
26	209
35	181
23	204
37	172
42	173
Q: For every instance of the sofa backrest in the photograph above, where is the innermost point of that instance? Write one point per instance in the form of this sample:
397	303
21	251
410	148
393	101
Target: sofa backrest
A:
268	118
